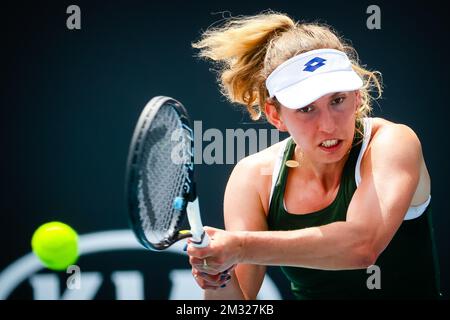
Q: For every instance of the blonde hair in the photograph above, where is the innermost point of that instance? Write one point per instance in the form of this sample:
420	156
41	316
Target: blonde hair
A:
248	49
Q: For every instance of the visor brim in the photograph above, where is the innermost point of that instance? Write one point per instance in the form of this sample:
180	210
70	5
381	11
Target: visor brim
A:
309	90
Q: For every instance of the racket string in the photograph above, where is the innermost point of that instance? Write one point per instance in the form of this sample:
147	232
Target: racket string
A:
161	179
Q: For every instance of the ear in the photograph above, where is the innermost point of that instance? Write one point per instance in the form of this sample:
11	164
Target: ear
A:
358	100
274	116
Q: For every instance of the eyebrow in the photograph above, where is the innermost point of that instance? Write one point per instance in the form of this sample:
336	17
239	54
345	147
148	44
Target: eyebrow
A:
331	98
336	94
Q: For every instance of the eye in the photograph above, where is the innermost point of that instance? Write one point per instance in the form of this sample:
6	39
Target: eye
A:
338	100
306	109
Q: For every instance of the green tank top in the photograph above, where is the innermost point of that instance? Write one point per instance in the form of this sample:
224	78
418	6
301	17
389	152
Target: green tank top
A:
408	266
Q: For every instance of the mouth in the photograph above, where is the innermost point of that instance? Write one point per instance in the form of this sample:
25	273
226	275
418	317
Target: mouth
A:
330	145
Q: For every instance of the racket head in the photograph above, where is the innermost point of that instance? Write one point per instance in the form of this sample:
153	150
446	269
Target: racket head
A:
160	173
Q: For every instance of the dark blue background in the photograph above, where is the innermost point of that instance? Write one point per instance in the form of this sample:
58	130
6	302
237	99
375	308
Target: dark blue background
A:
70	99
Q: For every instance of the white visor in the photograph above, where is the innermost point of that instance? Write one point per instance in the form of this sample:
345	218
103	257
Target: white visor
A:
305	78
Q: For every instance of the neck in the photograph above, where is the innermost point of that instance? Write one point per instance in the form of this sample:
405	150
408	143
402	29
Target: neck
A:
326	175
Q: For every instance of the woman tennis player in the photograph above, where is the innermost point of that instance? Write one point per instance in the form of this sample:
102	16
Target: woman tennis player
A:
346	192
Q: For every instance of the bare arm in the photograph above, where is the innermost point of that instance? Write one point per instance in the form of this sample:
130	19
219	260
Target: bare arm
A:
243	211
390	177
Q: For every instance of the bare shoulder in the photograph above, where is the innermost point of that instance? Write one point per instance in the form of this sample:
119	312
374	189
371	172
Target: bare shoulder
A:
397	144
262	160
382	127
254	172
394	137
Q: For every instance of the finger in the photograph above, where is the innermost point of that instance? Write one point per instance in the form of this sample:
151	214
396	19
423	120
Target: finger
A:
208	281
200	253
210	231
199	264
217	280
230	269
204	284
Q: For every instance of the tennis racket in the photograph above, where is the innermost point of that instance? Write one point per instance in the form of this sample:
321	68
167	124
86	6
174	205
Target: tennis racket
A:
160	187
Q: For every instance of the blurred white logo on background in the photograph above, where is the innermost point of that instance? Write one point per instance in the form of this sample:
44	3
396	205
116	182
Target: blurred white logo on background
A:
129	285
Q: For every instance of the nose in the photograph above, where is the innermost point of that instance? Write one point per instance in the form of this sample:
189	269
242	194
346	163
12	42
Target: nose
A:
327	122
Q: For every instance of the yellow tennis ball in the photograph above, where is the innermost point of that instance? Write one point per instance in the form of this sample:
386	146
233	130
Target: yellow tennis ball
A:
56	245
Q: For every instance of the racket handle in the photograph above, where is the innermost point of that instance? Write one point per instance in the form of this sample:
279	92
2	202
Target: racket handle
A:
200	238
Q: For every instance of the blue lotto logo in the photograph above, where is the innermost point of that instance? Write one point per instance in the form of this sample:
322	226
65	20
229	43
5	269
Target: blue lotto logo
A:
314	64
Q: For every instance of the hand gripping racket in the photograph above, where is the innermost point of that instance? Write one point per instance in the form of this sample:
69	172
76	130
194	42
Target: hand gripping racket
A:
160	187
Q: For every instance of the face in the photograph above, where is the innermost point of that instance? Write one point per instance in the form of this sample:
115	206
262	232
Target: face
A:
317	127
